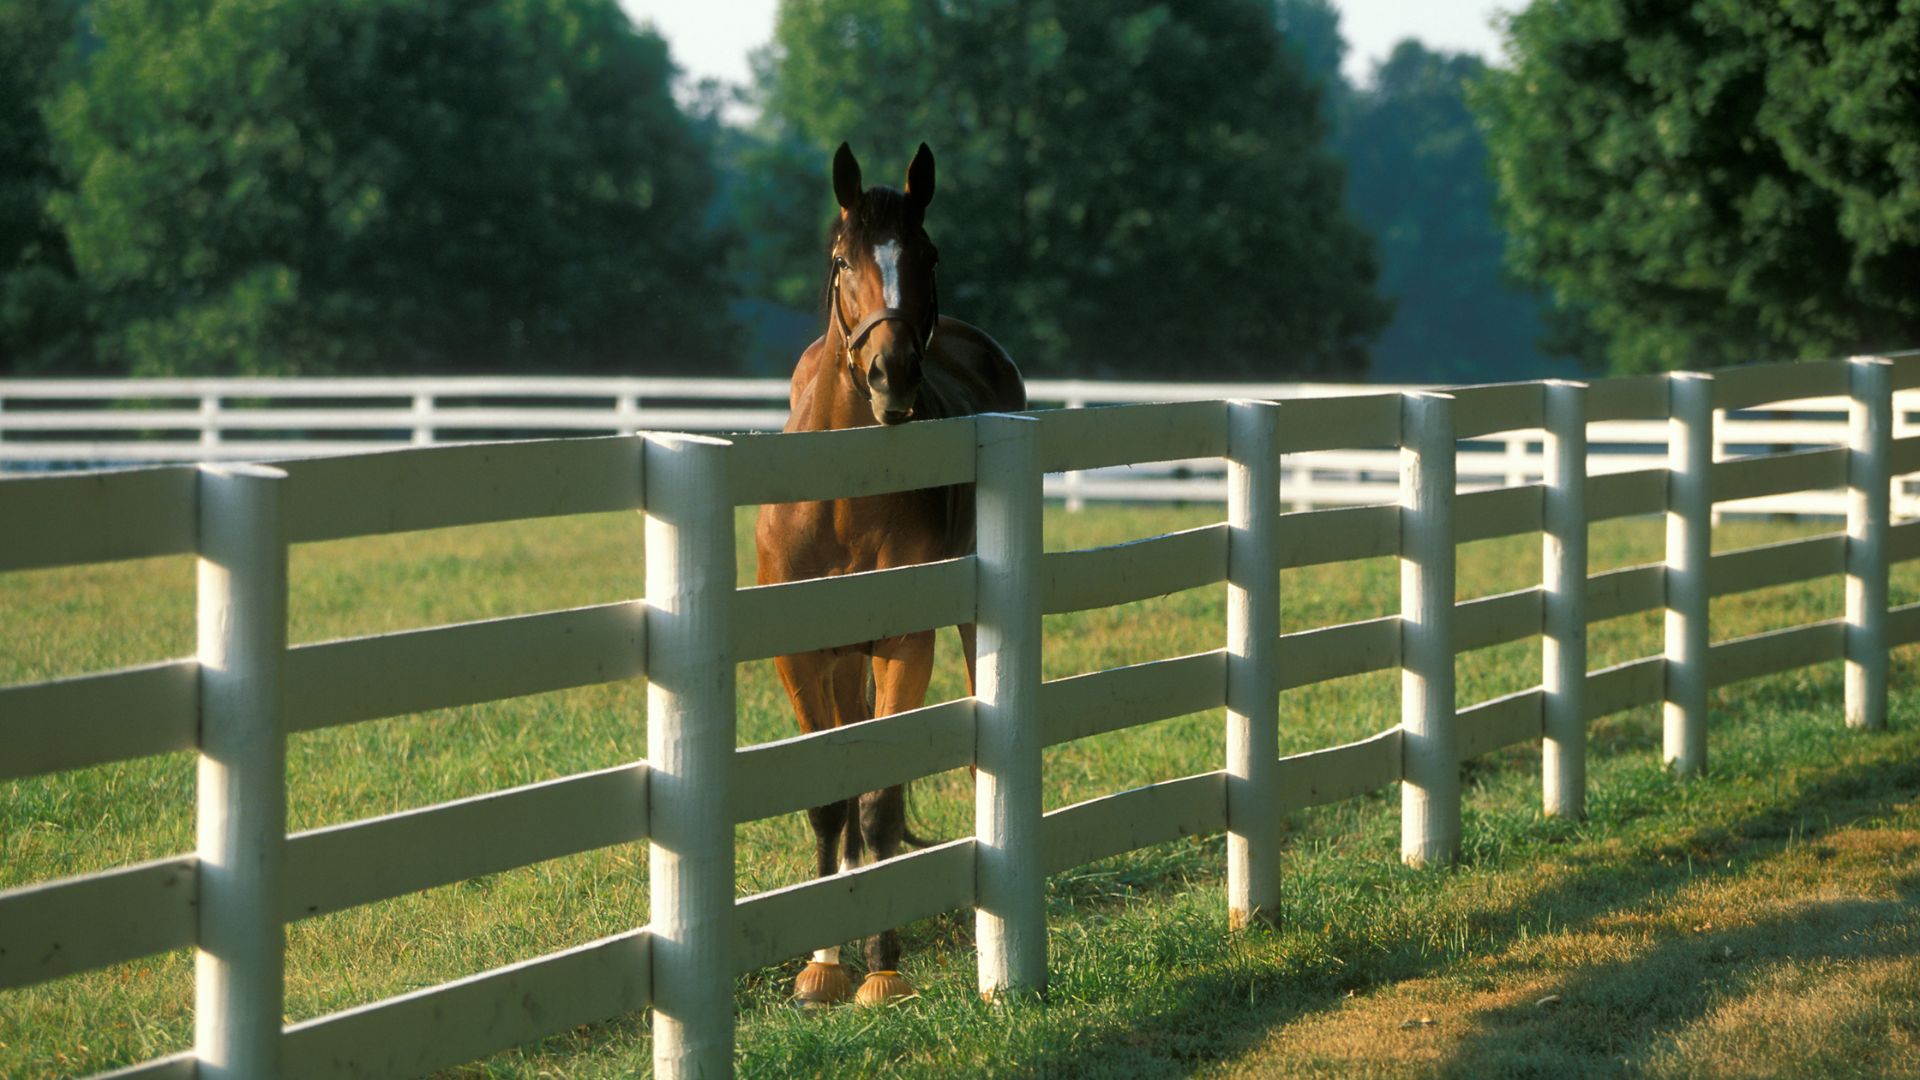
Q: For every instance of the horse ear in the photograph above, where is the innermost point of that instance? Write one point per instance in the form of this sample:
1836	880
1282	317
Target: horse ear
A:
846	178
920	179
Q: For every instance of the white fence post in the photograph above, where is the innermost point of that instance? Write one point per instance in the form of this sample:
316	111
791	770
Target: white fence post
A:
1905	504
1010	927
1516	460
239	984
1253	644
1075	478
690	743
1563	558
1715	515
1430	795
422	419
210	420
1689	549
1869	482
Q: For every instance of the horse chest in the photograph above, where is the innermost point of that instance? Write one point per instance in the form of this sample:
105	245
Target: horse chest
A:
887	530
851	536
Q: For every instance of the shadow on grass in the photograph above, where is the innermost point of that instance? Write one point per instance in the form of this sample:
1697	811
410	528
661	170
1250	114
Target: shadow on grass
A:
1631	1006
1617	1018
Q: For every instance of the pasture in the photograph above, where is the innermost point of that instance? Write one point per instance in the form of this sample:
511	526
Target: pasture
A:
1761	919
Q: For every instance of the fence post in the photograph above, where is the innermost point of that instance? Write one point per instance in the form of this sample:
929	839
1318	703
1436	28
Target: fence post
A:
1430	760
1075	478
1715	515
690	742
1516	460
1253	640
1563	558
1010	926
239	968
209	420
422	419
1869	482
1904	503
1689	549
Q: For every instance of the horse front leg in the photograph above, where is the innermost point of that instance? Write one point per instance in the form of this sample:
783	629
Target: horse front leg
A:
810	680
902	668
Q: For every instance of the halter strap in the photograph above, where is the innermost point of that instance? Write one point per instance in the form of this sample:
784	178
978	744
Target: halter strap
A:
850	339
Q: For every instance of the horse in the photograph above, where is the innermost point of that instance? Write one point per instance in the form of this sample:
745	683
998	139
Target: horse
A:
887	357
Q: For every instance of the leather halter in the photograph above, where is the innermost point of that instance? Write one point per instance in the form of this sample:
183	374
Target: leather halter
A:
850	339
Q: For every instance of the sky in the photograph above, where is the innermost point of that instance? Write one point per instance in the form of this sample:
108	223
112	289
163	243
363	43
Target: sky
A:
711	38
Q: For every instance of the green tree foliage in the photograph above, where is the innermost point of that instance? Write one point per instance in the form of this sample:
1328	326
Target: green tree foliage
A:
777	181
1124	187
1719	181
42	312
300	185
1417	175
1311	30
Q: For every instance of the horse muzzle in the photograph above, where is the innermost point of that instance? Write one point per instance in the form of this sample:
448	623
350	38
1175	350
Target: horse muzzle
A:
893	376
893	384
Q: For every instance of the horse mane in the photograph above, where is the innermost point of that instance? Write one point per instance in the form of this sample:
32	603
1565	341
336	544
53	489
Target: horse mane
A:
879	208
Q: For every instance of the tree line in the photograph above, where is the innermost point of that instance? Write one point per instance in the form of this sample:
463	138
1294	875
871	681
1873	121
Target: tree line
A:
279	186
1128	187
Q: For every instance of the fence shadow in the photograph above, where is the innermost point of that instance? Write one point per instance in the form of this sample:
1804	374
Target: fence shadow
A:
1661	992
1207	1019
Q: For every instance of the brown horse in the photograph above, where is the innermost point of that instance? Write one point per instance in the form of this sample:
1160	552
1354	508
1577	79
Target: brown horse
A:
888	357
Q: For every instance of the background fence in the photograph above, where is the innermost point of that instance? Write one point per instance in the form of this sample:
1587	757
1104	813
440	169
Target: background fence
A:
246	692
68	423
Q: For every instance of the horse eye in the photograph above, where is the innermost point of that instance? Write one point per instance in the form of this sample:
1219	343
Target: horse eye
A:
840	262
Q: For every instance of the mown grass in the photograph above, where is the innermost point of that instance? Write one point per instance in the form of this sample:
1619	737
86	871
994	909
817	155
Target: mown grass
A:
1761	920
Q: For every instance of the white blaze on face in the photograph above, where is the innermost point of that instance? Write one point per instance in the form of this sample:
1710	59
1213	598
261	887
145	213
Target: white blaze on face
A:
887	258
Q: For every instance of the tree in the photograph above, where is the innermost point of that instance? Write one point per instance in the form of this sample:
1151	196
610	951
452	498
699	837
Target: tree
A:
1716	182
1311	30
1417	176
1134	187
300	185
42	311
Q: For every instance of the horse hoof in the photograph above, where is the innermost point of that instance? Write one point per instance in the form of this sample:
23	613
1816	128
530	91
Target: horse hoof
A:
822	984
885	988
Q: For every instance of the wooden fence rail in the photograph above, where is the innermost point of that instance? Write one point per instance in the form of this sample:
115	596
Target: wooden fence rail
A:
245	692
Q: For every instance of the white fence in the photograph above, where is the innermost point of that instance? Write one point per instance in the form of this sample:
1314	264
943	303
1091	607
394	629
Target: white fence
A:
246	691
72	422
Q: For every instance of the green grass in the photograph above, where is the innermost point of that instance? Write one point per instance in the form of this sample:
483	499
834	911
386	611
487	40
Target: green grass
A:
1696	928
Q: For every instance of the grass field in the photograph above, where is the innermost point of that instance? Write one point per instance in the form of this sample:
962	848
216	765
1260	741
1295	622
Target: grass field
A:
1761	921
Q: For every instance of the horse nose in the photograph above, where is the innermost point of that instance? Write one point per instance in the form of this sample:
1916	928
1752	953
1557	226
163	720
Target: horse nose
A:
893	376
895	384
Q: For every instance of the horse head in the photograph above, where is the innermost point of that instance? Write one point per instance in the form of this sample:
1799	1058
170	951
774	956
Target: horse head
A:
881	289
